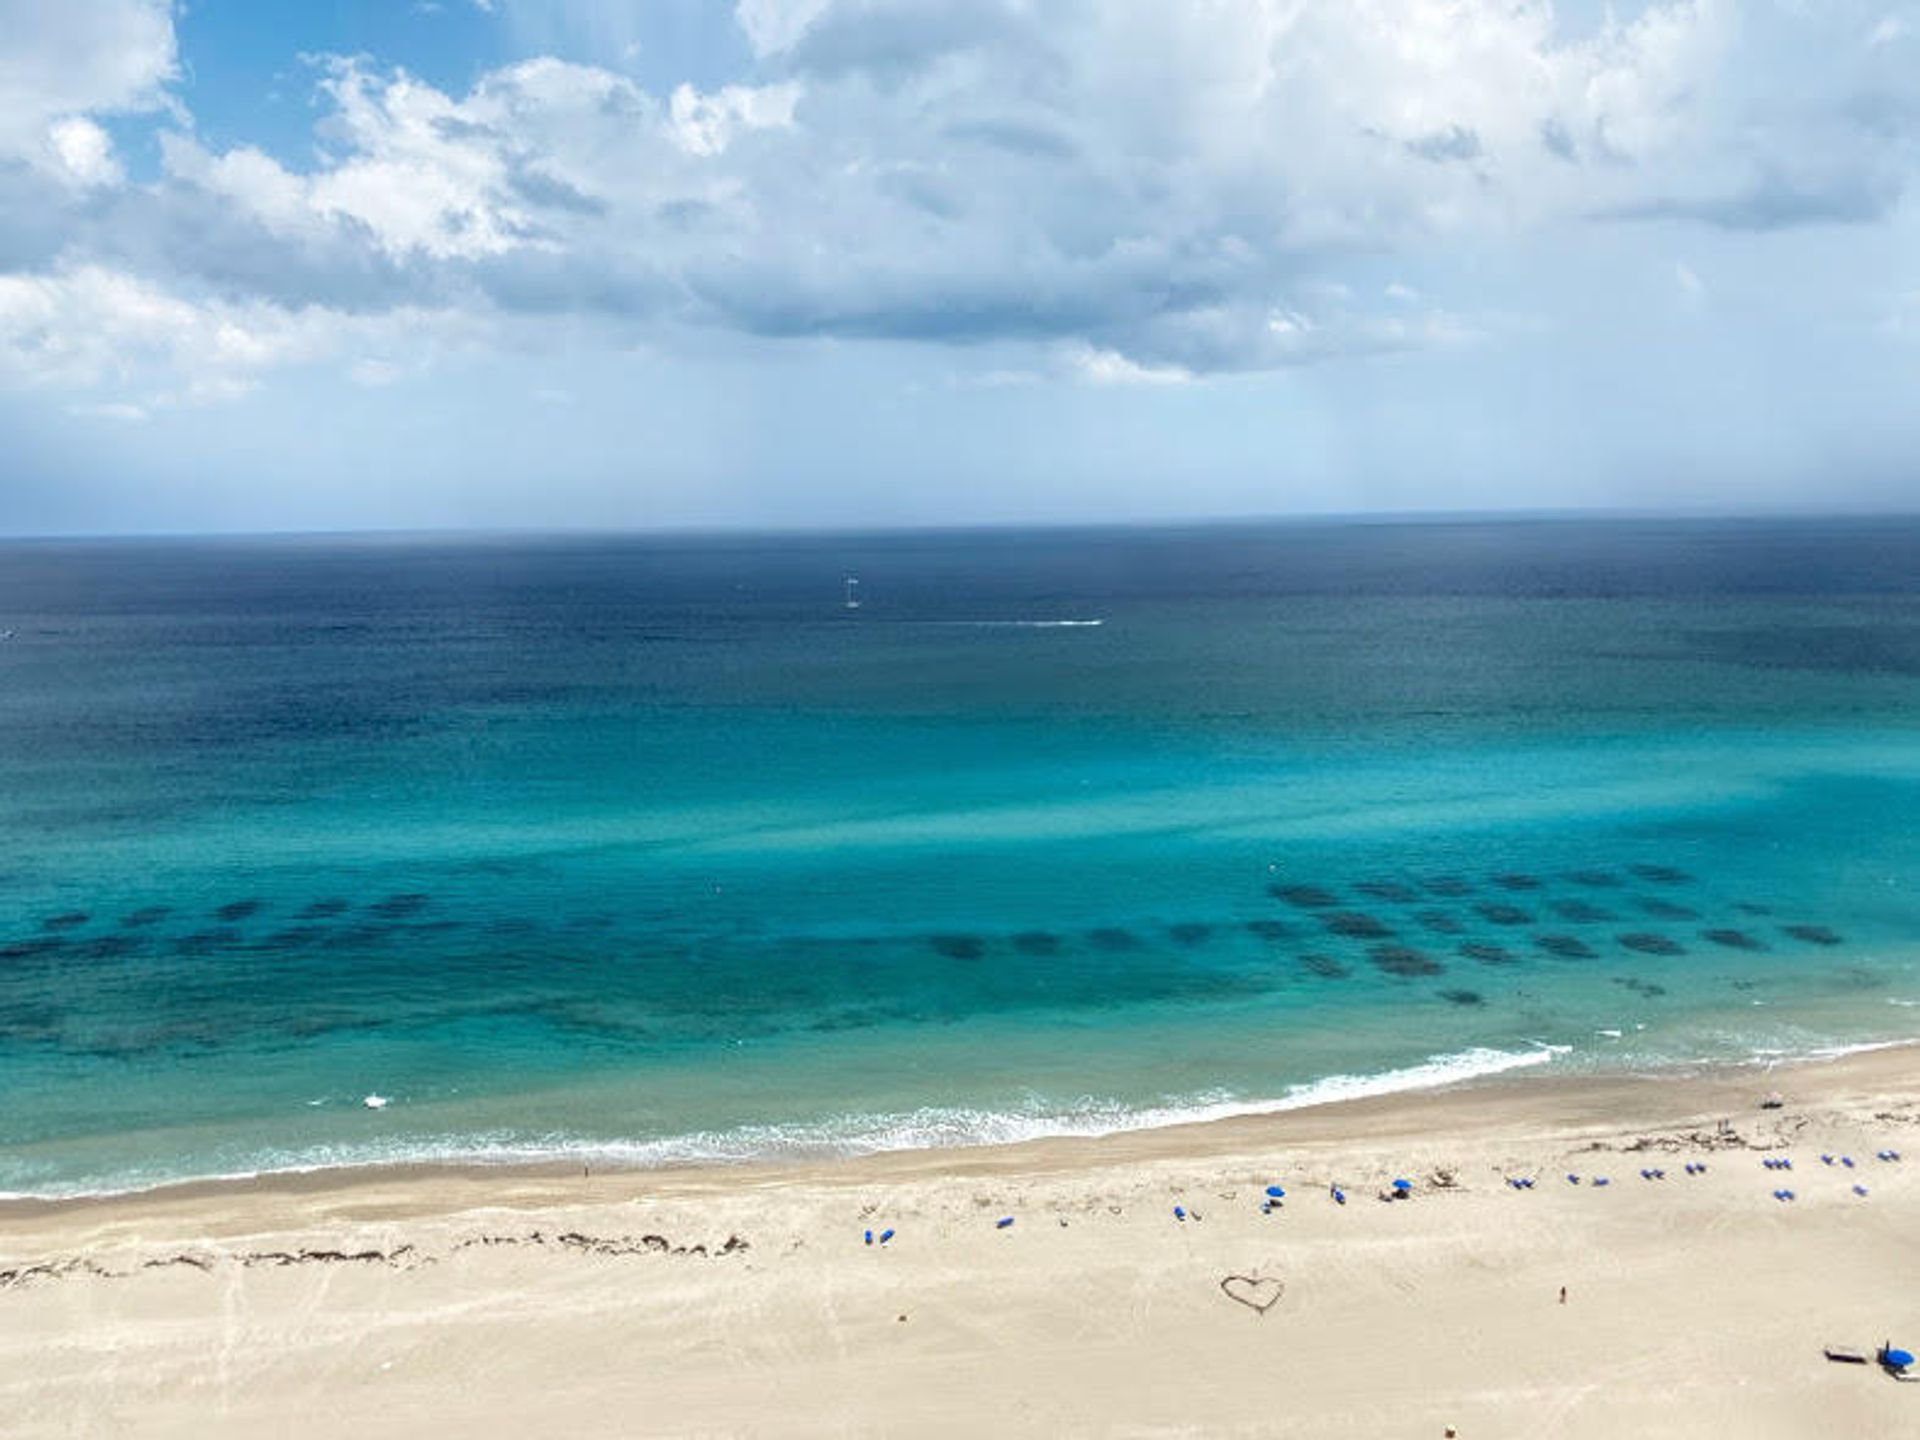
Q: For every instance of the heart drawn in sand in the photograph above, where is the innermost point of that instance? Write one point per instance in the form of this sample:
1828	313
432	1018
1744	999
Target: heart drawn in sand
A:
1257	1294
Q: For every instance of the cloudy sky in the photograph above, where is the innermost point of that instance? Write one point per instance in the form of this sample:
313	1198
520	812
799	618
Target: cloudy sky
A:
815	262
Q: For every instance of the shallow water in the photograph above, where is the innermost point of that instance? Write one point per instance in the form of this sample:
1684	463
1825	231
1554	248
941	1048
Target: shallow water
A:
651	848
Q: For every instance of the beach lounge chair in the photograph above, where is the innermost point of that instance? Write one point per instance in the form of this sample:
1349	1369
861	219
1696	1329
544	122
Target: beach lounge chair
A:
1844	1354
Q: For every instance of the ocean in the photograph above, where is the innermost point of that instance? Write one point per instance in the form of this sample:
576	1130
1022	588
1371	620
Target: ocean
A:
645	850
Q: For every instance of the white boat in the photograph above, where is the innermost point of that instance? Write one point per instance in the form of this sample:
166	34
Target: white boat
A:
853	592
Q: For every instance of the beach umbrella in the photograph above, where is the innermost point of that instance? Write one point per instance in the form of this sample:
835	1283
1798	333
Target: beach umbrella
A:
1898	1359
1403	1184
1276	1192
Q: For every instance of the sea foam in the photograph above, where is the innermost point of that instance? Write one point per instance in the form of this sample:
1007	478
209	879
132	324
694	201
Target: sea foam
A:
932	1127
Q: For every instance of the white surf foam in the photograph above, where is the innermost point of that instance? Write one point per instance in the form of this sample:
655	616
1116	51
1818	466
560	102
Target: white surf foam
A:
1090	624
927	1128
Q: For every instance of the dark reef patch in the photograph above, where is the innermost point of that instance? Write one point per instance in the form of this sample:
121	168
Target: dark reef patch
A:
1505	914
1360	927
1598	879
106	947
146	915
69	920
1391	891
1269	929
1110	937
1440	922
321	909
1667	910
1650	944
1405	961
1488	954
1514	881
958	947
1640	987
1734	939
1662	874
352	937
294	937
1582	912
1567	947
1190	932
1463	997
1307	897
202	941
1447	887
1813	934
1325	966
237	910
28	949
1753	907
395	907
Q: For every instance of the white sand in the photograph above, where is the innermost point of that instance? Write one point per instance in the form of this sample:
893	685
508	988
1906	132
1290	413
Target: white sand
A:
1697	1306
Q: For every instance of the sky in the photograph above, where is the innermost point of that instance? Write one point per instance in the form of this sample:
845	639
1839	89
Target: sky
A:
782	263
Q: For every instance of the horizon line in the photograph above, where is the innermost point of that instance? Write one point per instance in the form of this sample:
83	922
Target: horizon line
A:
727	530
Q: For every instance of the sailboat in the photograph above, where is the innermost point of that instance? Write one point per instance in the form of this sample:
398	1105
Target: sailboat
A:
853	592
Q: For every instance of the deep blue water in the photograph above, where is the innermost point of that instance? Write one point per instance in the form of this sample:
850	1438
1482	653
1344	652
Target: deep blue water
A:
651	848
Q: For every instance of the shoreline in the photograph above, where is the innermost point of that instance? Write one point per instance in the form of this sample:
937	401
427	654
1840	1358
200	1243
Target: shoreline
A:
1481	1100
1140	1290
1515	1070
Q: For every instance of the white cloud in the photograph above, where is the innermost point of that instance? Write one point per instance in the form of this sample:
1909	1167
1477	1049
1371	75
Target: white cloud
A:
84	151
1110	367
59	61
1155	191
139	345
773	26
706	124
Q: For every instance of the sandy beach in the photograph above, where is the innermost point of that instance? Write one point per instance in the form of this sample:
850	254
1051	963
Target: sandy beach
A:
747	1301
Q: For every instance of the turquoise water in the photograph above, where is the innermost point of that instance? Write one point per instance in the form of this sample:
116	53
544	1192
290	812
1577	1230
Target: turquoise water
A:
652	850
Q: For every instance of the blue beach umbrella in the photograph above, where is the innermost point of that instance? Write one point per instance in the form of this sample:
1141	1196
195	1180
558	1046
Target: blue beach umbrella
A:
1403	1184
1276	1192
1899	1359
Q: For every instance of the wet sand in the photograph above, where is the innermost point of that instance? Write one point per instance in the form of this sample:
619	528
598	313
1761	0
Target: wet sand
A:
745	1301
